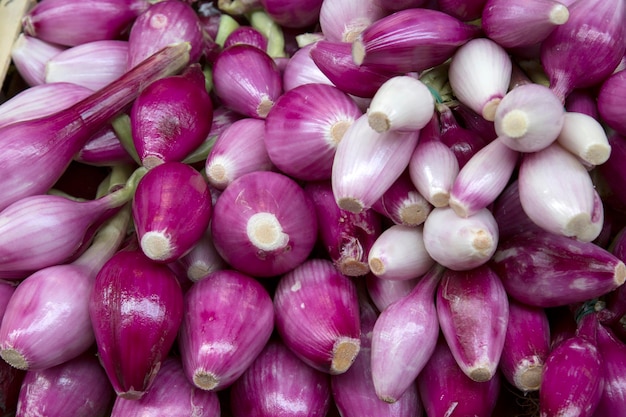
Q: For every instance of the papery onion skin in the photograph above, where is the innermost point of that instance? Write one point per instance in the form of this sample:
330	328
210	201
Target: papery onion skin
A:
135	320
263	224
317	315
218	341
278	383
78	387
171	394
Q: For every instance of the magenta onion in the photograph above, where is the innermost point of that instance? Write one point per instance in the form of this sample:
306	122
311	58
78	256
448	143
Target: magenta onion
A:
473	312
37	152
11	380
247	80
78	387
584	100
595	30
219	340
304	128
201	260
164	197
240	149
570	271
526	346
347	237
404	338
317	315
135	320
278	383
30	55
104	149
301	69
463	142
609	101
164	23
246	35
263	224
7	288
464	10
479	74
411	40
446	390
460	243
383	292
344	20
171	117
293	13
402	203
67	22
367	163
170	394
613	354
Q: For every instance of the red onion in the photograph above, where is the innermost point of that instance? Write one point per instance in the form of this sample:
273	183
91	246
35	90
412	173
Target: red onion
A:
482	178
594	30
612	171
165	195
584	100
609	101
7	288
304	128
55	296
402	203
218	341
263	224
293	13
37	152
411	40
463	142
92	64
165	23
334	59
30	55
171	117
202	259
462	9
317	315
395	5
473	312
404	338
475	122
278	383
549	283
522	22
479	74
69	22
460	243
104	149
247	80
509	214
343	20
347	237
246	35
170	394
78	387
238	150
613	354
41	100
367	163
301	69
384	292
526	346
135	320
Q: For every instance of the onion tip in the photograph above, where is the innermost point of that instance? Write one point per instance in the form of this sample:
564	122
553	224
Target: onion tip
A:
156	245
14	358
345	351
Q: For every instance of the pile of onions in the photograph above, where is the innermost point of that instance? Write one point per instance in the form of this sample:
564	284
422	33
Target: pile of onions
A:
314	208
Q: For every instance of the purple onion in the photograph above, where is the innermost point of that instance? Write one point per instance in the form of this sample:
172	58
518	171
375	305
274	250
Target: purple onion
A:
167	194
613	353
613	171
595	30
57	295
37	152
171	117
347	237
238	150
526	346
395	5
11	380
170	394
446	390
92	65
404	338
164	23
278	383
219	340
475	122
473	312
78	387
550	283
136	308
462	9
367	163
335	61
104	149
609	99
247	80
7	288
522	23
317	315
263	224
304	128
68	22
246	35
301	69
564	392
411	40
384	292
343	21
41	100
584	100
463	142
402	203
201	260
293	13
509	214
30	55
